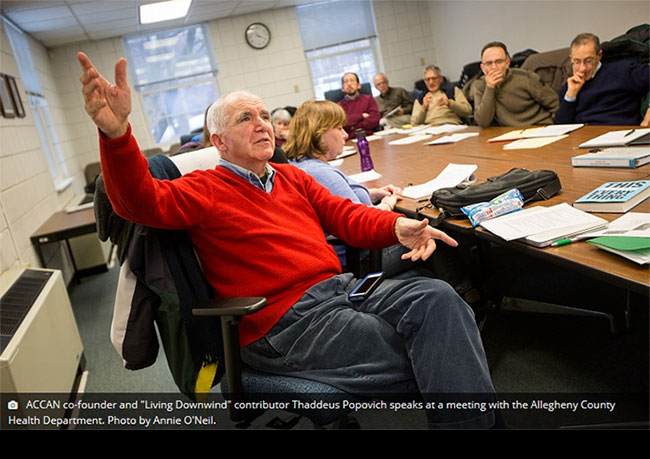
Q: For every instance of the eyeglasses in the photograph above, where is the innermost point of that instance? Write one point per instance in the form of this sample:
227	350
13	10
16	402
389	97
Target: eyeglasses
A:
435	78
496	62
588	62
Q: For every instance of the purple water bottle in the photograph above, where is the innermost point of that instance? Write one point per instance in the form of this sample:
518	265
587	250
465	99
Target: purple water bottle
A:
364	151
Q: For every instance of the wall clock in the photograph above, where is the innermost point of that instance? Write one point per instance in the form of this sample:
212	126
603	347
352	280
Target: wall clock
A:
258	35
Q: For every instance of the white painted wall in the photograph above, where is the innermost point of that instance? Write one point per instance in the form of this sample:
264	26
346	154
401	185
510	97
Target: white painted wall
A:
460	28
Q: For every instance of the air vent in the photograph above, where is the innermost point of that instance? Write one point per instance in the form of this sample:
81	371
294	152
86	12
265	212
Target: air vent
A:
15	304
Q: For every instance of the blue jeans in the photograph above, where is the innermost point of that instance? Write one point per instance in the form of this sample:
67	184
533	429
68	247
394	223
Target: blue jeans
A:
413	336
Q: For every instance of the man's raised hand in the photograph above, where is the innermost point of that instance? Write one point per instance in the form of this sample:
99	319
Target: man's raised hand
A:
109	105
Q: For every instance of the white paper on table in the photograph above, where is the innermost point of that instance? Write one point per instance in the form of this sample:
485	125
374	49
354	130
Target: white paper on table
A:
413	130
387	132
631	224
445	129
451	175
453	138
537	220
615	138
335	162
347	151
365	176
534	142
410	139
552	130
370	138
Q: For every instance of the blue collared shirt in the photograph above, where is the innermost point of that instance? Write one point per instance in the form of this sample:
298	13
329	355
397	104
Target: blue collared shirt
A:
265	183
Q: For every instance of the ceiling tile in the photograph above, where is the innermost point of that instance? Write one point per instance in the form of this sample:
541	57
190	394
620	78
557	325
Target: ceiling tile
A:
54	22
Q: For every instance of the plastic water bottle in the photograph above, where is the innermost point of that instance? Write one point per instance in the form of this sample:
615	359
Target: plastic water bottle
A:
364	151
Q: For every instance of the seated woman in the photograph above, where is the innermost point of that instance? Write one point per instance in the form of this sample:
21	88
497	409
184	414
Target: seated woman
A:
316	136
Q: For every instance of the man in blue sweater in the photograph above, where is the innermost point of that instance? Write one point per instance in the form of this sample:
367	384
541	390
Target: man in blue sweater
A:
602	93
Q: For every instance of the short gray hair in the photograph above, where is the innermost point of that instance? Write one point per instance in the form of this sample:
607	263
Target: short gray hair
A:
280	114
219	111
584	38
433	68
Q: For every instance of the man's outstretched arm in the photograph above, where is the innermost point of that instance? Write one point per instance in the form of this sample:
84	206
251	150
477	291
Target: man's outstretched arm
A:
108	105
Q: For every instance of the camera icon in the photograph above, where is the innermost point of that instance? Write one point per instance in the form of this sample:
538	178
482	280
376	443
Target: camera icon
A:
12	405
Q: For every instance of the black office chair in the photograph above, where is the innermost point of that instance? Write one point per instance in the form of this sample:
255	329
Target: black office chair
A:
91	172
336	95
244	384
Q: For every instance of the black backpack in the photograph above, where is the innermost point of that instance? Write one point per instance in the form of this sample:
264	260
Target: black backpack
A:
533	186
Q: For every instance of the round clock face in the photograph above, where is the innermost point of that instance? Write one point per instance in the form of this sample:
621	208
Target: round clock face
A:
258	35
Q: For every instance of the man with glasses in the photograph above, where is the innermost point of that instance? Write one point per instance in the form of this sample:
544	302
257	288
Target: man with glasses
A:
395	104
361	109
258	231
602	93
444	103
510	97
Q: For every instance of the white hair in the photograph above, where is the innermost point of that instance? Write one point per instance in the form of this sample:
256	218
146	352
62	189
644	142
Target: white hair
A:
219	111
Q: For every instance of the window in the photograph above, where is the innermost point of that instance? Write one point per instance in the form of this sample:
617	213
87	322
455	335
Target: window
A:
338	37
175	73
38	103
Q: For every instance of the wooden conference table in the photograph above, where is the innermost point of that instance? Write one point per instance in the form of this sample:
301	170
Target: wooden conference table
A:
416	163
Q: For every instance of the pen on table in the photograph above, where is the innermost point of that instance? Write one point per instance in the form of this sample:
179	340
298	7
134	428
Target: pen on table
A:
629	132
568	240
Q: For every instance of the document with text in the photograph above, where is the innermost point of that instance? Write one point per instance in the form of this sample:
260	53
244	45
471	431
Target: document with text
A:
543	224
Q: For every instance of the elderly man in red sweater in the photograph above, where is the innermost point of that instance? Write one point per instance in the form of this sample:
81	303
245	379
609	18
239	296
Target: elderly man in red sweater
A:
258	231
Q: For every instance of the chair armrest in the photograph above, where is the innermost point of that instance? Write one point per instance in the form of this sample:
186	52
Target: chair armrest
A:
231	311
236	307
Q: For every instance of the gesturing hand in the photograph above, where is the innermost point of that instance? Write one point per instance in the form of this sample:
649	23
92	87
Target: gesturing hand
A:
418	236
426	100
109	105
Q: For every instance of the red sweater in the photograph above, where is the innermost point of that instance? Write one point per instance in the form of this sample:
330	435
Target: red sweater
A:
354	110
249	242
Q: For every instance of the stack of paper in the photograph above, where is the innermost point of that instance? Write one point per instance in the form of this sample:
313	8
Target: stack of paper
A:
615	138
541	226
627	236
553	130
451	175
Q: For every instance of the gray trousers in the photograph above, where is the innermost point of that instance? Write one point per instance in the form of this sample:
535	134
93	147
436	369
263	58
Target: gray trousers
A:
413	336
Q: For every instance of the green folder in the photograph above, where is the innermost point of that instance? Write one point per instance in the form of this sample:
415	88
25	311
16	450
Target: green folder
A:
634	248
627	243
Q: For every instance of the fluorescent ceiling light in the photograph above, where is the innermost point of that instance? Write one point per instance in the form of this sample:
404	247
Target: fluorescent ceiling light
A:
163	11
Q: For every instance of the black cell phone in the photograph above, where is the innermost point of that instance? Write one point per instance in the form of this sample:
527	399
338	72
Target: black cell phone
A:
367	285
